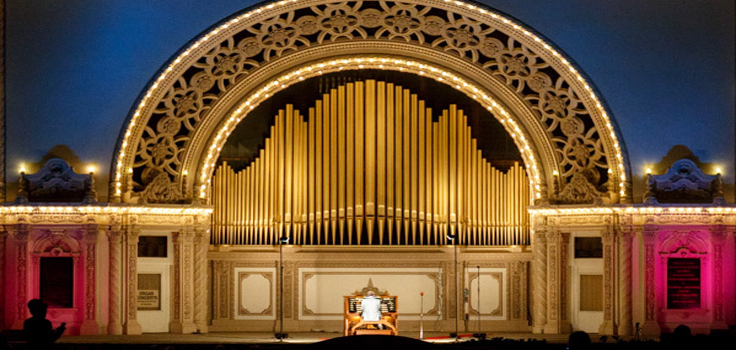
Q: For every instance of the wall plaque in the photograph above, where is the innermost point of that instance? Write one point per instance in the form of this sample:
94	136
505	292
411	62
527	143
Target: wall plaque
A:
149	291
683	283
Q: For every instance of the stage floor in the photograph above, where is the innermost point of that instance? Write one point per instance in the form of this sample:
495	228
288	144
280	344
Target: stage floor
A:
294	338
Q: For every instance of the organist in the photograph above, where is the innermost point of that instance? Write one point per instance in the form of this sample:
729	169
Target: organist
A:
371	307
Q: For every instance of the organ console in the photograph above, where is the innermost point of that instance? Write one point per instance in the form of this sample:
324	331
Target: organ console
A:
370	165
355	325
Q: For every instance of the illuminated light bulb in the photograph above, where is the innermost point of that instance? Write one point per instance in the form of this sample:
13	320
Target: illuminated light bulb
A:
718	170
555	173
649	171
22	169
91	169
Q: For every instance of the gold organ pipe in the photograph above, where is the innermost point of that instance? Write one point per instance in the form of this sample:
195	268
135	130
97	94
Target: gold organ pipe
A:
370	166
421	178
350	181
370	157
341	147
390	145
398	157
414	165
326	186
380	157
359	159
406	169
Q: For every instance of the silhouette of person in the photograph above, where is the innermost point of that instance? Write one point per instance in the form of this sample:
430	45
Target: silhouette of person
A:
371	307
38	331
578	341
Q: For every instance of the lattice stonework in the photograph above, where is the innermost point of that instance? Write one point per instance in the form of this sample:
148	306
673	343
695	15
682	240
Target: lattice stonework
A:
566	138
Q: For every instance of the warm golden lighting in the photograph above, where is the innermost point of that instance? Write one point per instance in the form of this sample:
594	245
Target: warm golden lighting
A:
90	168
718	170
105	210
370	186
649	171
22	169
370	62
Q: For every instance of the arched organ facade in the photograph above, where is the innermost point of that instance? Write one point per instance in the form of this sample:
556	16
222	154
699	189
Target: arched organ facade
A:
174	249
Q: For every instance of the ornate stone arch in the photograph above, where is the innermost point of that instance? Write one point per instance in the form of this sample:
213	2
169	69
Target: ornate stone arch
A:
568	140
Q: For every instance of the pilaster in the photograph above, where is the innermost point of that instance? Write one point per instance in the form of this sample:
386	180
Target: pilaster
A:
114	325
200	278
183	314
624	279
609	272
557	281
131	325
540	275
718	240
650	326
20	233
90	324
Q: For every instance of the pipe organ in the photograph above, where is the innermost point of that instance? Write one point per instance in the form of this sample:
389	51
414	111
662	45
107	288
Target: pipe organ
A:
369	166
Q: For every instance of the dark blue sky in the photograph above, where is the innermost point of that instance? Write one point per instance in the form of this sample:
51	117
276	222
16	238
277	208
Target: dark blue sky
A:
666	68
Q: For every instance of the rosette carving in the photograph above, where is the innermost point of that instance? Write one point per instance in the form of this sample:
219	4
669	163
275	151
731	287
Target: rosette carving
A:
164	133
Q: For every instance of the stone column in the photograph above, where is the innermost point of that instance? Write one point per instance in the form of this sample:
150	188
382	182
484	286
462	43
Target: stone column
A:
131	325
609	282
718	240
183	313
114	325
624	280
650	326
90	324
557	281
564	282
540	275
20	234
200	278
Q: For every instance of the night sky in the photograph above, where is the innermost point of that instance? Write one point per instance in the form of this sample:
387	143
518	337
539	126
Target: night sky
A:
75	67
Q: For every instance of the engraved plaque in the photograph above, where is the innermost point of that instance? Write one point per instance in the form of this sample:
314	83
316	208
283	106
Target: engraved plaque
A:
683	283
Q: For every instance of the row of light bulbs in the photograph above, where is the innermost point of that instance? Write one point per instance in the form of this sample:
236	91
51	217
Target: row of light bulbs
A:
91	209
632	210
266	10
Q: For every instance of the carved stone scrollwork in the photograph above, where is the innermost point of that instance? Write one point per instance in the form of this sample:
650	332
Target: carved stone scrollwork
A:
718	236
684	182
161	190
609	266
90	324
56	181
578	190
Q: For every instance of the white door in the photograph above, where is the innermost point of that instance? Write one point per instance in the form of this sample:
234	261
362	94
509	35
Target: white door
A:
587	291
153	298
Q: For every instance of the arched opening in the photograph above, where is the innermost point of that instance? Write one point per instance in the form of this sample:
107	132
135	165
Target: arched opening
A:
362	158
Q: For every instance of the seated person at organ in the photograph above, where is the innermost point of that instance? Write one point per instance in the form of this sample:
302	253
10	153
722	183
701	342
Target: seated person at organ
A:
371	307
369	313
